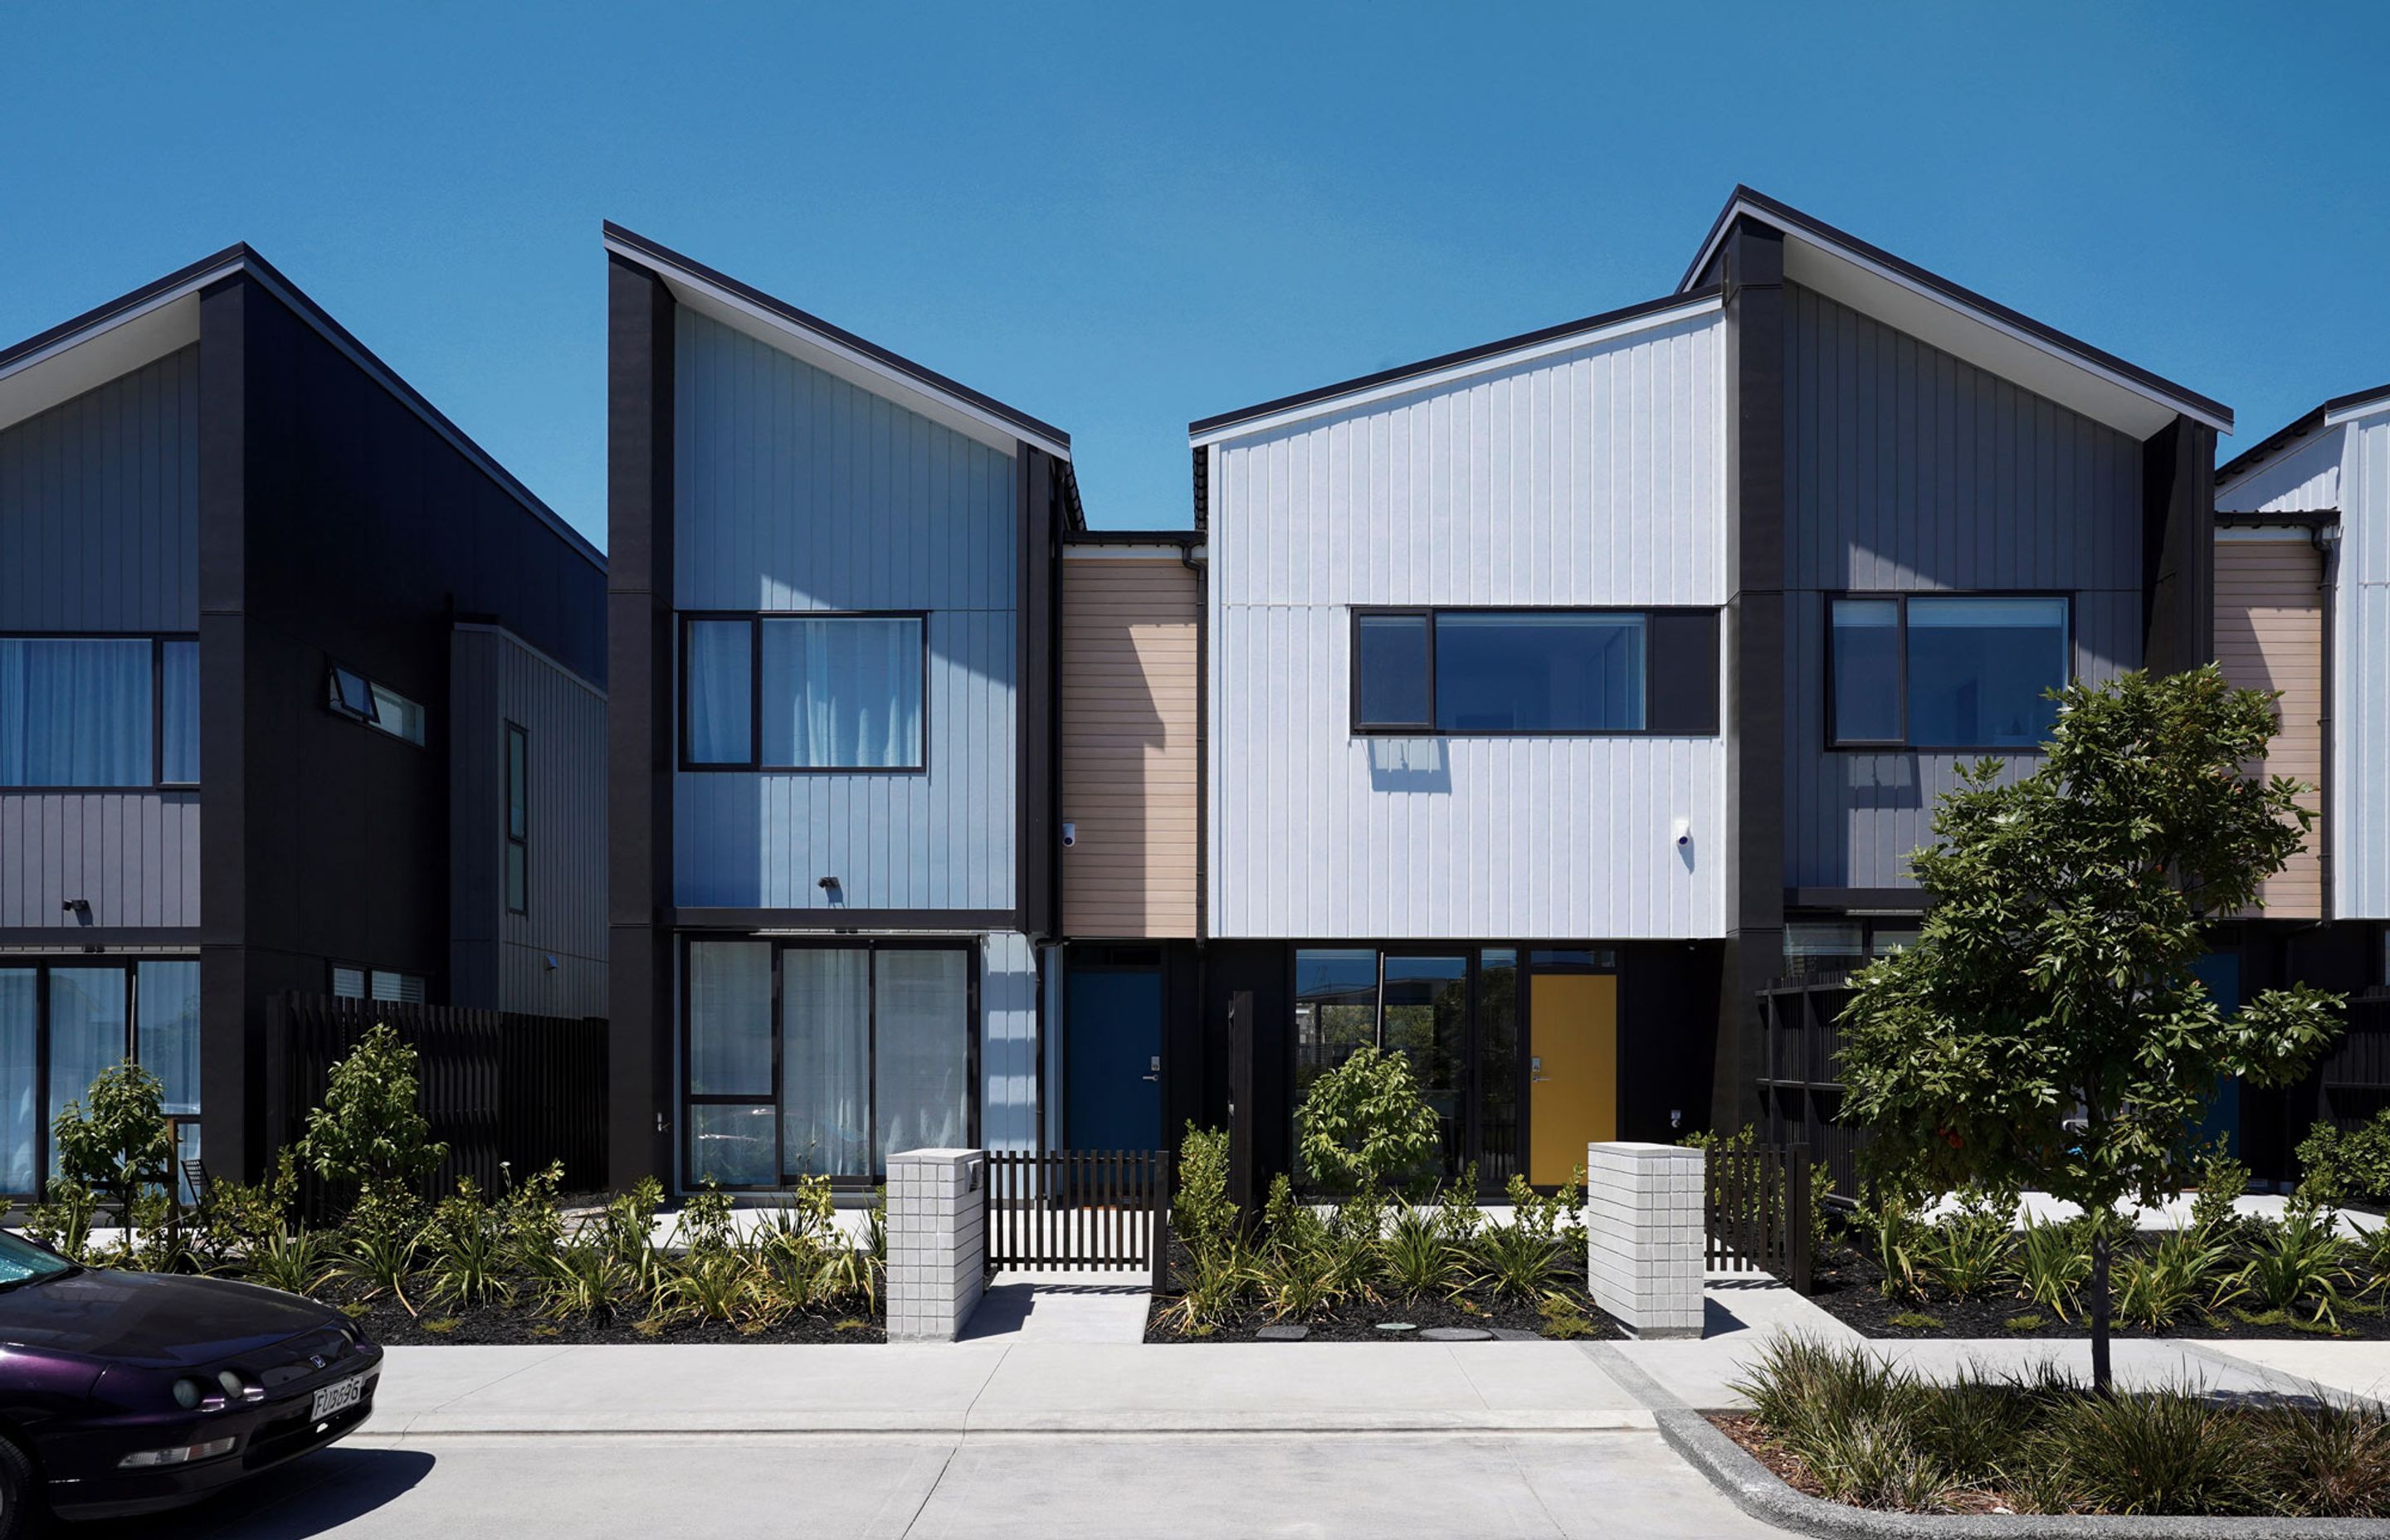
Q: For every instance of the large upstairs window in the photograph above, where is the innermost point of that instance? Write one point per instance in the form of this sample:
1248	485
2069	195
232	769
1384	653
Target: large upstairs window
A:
803	692
89	712
1946	671
1540	672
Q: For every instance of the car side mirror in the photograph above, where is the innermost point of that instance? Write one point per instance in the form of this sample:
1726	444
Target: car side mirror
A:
40	1240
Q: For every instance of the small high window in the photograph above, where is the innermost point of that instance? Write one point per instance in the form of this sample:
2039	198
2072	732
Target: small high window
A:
351	693
1947	671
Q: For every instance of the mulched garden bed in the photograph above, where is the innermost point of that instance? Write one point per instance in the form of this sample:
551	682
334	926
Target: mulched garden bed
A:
1357	1321
388	1322
1847	1285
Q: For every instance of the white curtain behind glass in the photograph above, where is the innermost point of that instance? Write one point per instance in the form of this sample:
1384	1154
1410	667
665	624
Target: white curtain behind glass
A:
20	1115
167	1038
721	665
178	713
825	1061
842	693
86	1033
923	1050
74	711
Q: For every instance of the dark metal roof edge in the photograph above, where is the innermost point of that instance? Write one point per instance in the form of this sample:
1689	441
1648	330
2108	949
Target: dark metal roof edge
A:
1449	359
241	256
1809	224
2310	519
665	256
1133	537
2297	427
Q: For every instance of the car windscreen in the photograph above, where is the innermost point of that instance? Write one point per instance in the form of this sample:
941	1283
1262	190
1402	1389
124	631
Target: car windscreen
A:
21	1259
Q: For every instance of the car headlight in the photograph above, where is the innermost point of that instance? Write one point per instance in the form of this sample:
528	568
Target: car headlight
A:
188	1393
237	1389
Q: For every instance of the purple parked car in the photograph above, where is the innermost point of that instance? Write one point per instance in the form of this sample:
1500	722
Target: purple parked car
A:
127	1393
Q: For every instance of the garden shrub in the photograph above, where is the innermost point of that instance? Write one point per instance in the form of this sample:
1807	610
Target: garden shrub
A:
1363	1126
2220	1180
1201	1213
368	1133
2351	1166
115	1140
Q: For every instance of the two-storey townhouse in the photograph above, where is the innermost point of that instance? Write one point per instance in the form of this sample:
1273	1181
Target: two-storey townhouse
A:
832	624
1566	692
301	691
2303	607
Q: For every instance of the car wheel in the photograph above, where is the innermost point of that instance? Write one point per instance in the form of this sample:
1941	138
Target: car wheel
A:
16	1491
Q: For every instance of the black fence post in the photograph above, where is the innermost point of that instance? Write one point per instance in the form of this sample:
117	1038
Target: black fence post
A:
1160	1231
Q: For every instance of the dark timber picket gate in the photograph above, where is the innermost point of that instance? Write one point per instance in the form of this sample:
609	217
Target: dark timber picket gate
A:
1758	1211
1106	1210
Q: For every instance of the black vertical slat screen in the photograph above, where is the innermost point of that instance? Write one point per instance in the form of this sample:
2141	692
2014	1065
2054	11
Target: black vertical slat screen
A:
506	1093
1098	1209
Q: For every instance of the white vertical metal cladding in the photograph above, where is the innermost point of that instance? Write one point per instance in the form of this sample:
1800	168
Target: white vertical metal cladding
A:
1007	1043
1592	476
2360	769
2304	480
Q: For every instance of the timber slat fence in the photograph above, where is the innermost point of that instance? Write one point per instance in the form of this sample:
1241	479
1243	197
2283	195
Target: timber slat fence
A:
501	1090
1104	1210
1759	1211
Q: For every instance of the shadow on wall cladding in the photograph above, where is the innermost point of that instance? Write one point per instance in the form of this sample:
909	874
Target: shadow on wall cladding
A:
797	491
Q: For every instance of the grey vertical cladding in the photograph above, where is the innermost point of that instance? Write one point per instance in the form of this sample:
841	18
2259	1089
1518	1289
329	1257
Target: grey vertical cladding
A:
99	501
99	532
796	490
500	959
133	857
1907	469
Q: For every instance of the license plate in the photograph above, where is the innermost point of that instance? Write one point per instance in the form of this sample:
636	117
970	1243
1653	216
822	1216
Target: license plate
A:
337	1396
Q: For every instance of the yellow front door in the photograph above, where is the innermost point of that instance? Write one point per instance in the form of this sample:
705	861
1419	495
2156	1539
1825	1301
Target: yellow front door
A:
1572	1082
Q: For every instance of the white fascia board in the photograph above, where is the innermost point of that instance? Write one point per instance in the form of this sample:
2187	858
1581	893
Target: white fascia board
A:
85	360
2356	409
833	357
2069	378
1444	379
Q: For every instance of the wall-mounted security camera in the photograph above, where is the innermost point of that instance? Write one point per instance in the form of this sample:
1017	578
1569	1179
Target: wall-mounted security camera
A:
1684	832
1070	834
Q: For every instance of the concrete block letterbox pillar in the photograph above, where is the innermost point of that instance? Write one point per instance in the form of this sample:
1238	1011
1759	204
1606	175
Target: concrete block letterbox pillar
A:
937	1242
1644	1236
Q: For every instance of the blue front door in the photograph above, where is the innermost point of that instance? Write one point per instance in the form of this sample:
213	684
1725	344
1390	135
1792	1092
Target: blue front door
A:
1112	1058
2220	971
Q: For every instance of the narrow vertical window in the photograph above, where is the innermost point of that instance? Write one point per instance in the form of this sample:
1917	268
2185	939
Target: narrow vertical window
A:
178	713
1392	685
518	821
719	678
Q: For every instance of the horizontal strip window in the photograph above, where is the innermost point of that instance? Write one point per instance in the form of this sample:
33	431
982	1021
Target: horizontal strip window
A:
803	692
87	712
379	983
1536	673
351	693
1960	672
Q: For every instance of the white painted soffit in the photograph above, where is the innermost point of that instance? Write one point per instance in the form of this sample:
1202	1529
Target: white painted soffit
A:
1429	381
1848	276
836	357
84	360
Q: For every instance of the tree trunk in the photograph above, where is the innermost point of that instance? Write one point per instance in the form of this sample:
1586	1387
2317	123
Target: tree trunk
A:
2099	1369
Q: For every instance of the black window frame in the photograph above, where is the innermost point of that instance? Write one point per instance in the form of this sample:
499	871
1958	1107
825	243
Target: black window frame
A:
1835	743
686	1152
156	640
335	704
1697	713
517	820
754	763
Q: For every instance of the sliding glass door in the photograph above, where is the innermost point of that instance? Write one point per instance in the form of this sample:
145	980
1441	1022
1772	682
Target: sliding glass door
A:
818	1060
61	1023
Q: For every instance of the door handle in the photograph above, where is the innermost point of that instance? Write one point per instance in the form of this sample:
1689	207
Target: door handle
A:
1155	1073
1535	1075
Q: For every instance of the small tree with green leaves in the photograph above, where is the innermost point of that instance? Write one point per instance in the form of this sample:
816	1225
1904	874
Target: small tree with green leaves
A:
1364	1126
368	1131
2047	1031
115	1139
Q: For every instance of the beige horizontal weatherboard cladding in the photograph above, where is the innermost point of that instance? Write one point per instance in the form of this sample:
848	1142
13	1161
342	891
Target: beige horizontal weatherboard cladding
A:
2270	637
1129	749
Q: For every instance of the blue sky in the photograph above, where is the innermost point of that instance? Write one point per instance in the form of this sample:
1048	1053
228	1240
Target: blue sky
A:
1121	217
